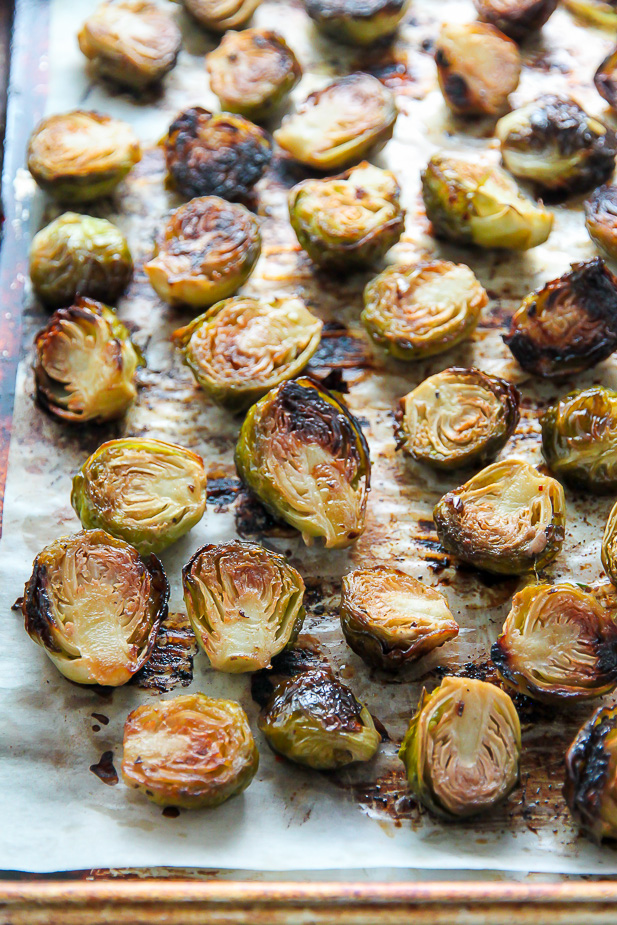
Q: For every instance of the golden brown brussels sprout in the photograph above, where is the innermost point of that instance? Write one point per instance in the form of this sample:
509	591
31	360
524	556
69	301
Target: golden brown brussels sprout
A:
242	348
219	154
601	219
338	125
597	12
95	607
79	156
221	15
462	749
591	775
305	457
516	18
568	325
357	23
420	311
146	492
457	418
85	364
474	202
609	546
192	751
605	79
509	519
388	618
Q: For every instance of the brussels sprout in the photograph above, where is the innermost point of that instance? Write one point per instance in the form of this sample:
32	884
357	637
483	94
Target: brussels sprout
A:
419	311
192	751
388	618
305	457
568	325
474	202
95	607
221	15
316	721
338	125
609	546
79	156
516	18
85	364
597	12
146	492
242	348
458	417
477	67
357	23
601	219
508	519
590	787
218	154
462	749
133	42
252	72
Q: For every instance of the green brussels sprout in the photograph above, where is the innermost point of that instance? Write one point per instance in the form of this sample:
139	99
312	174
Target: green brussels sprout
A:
221	15
350	221
609	546
388	618
338	125
316	721
601	219
423	310
516	18
508	519
474	202
85	364
253	72
597	12
80	156
305	457
357	23
462	749
95	607
458	417
191	751
242	348
146	492
590	787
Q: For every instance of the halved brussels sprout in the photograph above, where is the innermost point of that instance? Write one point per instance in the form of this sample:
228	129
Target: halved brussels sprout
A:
95	607
192	751
305	457
219	154
478	67
457	418
516	18
85	364
508	519
316	721
462	748
389	618
132	41
597	12
242	348
357	23
601	219
605	79
146	492
421	311
338	125
474	202
252	72
221	15
609	546
79	156
590	787
568	325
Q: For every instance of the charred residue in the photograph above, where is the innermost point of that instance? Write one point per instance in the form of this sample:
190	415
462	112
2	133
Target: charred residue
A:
171	663
105	770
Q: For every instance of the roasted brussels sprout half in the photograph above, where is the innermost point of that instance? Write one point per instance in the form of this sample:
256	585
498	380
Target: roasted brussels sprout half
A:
474	202
516	18
316	721
219	154
462	749
591	775
509	519
458	417
221	15
79	156
355	23
242	348
597	12
85	364
420	311
601	219
192	751
305	457
338	125
609	546
95	607
146	492
348	221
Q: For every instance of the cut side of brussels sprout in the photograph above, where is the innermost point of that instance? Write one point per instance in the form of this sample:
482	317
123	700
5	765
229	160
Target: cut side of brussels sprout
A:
516	18
192	751
357	22
462	749
590	787
601	219
597	12
508	519
609	546
221	15
304	455
95	607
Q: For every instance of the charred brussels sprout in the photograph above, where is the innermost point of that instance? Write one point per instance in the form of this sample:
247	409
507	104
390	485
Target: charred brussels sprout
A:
609	546
516	18
601	219
462	749
597	12
508	519
192	751
305	457
605	79
95	607
221	15
354	22
79	156
591	775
